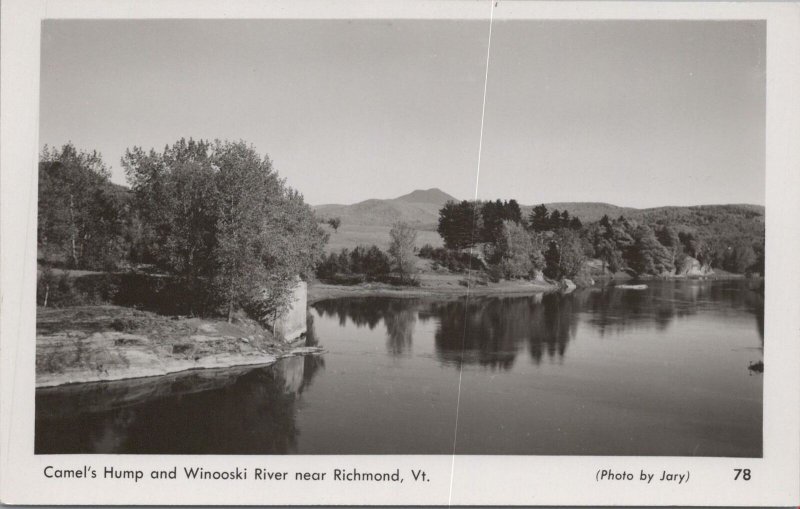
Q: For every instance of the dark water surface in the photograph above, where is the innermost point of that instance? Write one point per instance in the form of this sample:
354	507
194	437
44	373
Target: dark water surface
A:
662	371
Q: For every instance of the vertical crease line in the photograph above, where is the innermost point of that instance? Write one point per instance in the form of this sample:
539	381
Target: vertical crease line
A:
471	248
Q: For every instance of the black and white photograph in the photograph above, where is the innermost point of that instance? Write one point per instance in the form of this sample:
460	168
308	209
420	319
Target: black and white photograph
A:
271	237
387	250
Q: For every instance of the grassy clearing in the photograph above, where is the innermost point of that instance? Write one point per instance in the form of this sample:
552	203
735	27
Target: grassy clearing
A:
350	236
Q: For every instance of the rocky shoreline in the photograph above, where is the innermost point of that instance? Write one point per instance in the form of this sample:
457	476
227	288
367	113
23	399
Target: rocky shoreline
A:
106	343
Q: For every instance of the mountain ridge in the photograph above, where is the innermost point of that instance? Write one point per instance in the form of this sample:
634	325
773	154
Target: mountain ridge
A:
421	207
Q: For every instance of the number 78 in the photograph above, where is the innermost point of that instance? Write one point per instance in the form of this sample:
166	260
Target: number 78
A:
744	473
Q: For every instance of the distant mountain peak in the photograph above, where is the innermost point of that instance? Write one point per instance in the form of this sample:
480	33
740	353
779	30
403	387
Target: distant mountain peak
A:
433	195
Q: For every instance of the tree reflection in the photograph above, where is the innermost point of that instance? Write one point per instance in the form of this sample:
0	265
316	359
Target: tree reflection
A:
398	315
254	411
487	331
491	331
400	323
247	412
361	312
613	310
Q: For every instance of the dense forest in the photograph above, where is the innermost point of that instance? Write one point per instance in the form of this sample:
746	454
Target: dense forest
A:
215	217
659	242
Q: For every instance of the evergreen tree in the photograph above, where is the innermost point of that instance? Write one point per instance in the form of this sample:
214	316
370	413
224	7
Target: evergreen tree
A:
605	222
565	220
539	219
513	212
457	223
492	216
554	222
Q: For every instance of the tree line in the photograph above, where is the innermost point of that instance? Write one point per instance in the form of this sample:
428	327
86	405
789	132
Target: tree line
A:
216	215
557	245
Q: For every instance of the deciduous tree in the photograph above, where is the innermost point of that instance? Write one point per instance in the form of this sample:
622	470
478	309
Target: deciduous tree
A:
82	216
401	248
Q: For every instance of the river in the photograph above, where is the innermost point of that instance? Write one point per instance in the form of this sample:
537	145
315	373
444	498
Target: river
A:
661	371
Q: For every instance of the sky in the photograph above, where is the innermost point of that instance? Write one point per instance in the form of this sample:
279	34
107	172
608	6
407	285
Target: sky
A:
634	113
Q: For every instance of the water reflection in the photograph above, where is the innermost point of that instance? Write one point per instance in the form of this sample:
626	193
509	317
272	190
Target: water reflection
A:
491	331
661	371
242	411
613	310
398	315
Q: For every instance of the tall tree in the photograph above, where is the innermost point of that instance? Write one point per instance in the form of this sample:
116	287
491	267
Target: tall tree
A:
607	251
492	220
668	237
513	211
647	255
538	218
554	222
219	215
401	248
565	219
459	223
740	257
82	217
564	256
520	251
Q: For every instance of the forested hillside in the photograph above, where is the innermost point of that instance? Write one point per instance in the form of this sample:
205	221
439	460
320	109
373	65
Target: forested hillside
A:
649	242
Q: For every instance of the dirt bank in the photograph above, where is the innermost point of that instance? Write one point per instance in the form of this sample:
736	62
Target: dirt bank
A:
100	343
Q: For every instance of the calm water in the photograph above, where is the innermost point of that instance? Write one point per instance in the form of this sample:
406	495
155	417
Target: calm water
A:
662	371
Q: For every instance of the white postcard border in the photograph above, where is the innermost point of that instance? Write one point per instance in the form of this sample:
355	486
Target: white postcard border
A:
495	480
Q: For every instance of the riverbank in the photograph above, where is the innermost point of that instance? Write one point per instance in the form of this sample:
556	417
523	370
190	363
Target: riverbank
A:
433	285
83	344
430	285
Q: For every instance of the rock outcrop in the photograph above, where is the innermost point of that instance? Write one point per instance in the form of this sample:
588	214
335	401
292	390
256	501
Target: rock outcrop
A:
101	343
292	324
692	267
567	285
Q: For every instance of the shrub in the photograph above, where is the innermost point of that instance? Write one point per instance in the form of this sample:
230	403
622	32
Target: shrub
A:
495	273
453	260
426	251
123	324
351	267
